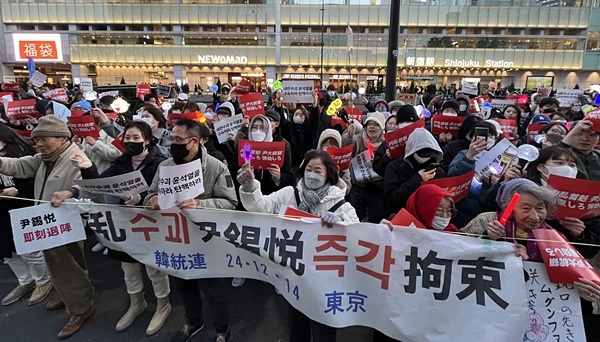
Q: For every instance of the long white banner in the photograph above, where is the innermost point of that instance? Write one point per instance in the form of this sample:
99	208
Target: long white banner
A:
411	284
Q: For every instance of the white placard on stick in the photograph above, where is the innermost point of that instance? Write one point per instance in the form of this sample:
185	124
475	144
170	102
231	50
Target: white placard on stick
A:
298	91
226	127
86	84
38	79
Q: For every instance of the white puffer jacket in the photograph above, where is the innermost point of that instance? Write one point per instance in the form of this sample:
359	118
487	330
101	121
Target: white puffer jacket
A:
255	201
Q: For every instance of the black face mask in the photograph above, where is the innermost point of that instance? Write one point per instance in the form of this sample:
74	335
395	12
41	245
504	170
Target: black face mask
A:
179	152
134	148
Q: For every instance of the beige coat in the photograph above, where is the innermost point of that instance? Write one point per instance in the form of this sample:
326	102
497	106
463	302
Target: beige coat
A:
60	178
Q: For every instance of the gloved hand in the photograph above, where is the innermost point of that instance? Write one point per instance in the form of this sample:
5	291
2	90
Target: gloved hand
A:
81	161
330	218
245	177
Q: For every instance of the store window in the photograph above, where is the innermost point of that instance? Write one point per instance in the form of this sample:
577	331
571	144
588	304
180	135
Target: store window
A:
593	42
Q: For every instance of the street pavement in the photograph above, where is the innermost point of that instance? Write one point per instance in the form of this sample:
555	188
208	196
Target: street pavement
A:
257	313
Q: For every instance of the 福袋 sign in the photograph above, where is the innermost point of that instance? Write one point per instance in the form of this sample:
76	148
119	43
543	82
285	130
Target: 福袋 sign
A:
411	284
42	47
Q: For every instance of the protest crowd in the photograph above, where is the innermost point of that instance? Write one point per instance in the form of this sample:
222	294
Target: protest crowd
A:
487	164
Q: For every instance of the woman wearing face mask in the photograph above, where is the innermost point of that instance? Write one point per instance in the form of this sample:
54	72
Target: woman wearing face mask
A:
463	105
158	123
379	106
301	134
366	196
140	154
461	142
433	207
332	138
418	164
320	192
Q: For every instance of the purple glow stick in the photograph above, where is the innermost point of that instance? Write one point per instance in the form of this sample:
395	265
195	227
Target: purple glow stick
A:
247	150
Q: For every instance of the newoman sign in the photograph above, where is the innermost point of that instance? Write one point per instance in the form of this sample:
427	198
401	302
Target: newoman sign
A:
222	59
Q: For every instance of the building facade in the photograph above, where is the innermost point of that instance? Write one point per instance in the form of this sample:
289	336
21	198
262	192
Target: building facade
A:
341	41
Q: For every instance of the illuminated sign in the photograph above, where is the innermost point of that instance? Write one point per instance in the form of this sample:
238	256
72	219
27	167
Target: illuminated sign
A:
469	63
41	47
220	59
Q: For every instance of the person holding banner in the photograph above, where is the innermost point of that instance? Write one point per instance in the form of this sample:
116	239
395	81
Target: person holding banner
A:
140	154
583	138
29	268
54	174
321	192
418	164
219	193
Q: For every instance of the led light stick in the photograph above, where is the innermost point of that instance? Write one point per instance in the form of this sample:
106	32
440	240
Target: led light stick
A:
509	208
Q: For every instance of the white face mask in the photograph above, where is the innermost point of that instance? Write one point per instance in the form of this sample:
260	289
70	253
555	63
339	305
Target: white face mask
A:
381	109
148	121
463	108
420	160
440	223
563	170
313	180
298	120
259	136
391	128
490	143
331	93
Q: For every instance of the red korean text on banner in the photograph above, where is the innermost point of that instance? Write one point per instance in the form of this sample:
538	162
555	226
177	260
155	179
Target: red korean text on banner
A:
22	109
118	143
508	127
84	126
354	113
396	140
577	198
533	130
446	124
6	93
405	219
142	90
24	135
243	87
263	153
458	187
58	94
341	156
174	117
252	105
335	120
295	213
77	112
563	262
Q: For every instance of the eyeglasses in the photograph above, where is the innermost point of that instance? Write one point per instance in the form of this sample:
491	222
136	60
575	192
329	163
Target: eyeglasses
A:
178	140
256	129
445	212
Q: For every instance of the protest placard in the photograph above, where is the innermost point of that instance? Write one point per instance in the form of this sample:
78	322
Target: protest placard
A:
228	127
290	212
84	126
554	309
396	140
251	105
6	98
38	79
356	274
24	134
22	109
87	84
263	153
594	117
113	93
543	93
568	96
118	143
362	165
405	219
298	91
533	130
57	94
43	227
341	156
501	104
243	87
509	127
336	120
443	124
131	183
563	262
577	198
11	87
354	113
174	117
485	159
142	90
407	98
179	183
458	187
471	88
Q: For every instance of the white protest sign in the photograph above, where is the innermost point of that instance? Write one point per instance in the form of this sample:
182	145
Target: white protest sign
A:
38	79
484	159
179	182
226	127
501	104
568	96
554	309
113	93
58	94
43	227
470	87
5	100
543	92
131	183
411	284
86	84
362	165
298	91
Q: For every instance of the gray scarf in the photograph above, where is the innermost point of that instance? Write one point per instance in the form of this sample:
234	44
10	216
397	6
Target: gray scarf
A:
311	198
